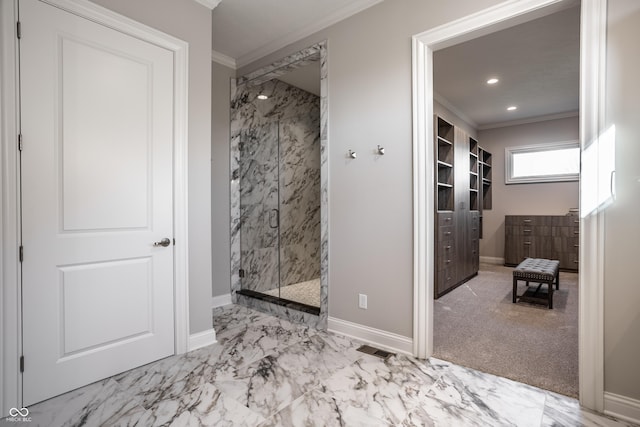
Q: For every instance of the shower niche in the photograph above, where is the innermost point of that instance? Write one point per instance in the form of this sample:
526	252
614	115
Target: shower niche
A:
278	235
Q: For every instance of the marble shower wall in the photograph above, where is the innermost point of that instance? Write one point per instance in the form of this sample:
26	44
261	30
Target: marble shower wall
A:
258	205
300	197
279	169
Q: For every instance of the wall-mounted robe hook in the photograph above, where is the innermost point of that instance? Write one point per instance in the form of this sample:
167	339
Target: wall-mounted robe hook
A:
352	154
381	150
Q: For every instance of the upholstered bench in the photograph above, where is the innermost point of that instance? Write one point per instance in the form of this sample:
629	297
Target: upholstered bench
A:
537	270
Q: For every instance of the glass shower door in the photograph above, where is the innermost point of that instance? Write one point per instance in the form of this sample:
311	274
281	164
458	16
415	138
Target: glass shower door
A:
279	165
259	210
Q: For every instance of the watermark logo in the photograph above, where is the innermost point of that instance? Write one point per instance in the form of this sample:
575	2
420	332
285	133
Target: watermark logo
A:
18	415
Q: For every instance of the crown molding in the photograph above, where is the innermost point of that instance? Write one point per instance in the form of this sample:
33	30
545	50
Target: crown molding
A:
223	59
307	30
209	4
536	119
449	106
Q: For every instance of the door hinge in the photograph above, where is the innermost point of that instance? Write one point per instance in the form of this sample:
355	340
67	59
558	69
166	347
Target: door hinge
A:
241	272
21	363
20	142
21	253
19	30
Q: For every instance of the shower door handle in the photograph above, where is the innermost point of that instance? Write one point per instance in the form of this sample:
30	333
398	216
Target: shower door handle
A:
274	216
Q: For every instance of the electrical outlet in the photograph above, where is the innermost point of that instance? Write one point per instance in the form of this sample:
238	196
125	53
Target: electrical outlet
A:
362	301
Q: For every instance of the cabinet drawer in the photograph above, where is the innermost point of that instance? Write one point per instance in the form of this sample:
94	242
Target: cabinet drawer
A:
526	230
445	262
445	249
566	244
445	280
445	233
566	221
524	220
475	249
565	231
445	218
568	261
474	231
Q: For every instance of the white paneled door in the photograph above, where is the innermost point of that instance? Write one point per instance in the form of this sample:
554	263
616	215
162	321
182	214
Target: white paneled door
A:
97	129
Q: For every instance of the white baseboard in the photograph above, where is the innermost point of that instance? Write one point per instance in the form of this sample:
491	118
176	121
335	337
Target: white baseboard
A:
221	300
492	260
378	338
202	339
622	407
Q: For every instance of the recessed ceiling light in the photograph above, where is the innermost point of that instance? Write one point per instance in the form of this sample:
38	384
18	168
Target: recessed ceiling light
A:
263	97
492	81
511	108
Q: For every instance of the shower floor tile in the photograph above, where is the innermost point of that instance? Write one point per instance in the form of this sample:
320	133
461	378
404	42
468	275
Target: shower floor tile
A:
304	292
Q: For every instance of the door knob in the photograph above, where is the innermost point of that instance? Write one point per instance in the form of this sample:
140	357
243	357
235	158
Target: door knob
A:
164	242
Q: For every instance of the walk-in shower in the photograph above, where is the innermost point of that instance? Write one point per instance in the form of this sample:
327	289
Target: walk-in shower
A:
276	188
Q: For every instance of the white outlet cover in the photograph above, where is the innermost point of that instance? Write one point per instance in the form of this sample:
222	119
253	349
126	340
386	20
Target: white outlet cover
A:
362	301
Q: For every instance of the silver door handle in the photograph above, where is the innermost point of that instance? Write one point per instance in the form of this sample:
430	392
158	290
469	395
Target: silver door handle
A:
612	185
164	242
274	214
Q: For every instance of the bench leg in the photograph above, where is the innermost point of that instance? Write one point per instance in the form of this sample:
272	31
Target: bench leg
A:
550	284
515	289
558	279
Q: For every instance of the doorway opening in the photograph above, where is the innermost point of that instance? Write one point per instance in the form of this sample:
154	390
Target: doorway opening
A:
592	49
499	97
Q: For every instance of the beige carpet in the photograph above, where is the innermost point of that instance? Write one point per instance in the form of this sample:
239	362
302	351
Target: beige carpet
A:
477	325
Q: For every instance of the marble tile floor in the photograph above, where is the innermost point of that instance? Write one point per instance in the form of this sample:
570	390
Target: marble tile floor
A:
307	292
265	371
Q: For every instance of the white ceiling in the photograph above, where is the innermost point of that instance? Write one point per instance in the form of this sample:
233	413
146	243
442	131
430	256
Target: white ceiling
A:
246	30
537	63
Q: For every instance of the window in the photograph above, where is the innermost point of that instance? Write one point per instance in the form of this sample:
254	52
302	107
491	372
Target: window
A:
555	162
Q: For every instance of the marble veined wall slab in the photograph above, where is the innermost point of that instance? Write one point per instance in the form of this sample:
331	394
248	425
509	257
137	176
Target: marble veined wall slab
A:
279	174
300	198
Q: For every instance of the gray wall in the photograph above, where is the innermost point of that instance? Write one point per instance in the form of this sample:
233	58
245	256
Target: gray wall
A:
221	93
191	22
622	226
551	198
370	198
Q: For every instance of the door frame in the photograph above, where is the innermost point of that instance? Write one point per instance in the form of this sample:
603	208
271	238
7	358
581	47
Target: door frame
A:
10	312
592	101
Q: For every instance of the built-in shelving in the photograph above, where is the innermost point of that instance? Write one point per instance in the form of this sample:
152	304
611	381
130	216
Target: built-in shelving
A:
473	175
486	176
445	165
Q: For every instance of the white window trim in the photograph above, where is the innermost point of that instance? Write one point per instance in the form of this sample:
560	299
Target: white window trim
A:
508	163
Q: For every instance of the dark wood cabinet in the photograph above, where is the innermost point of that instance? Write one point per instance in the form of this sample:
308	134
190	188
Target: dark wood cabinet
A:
542	236
460	187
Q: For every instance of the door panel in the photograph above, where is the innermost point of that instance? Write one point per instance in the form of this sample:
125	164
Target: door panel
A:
91	292
259	208
97	131
97	126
